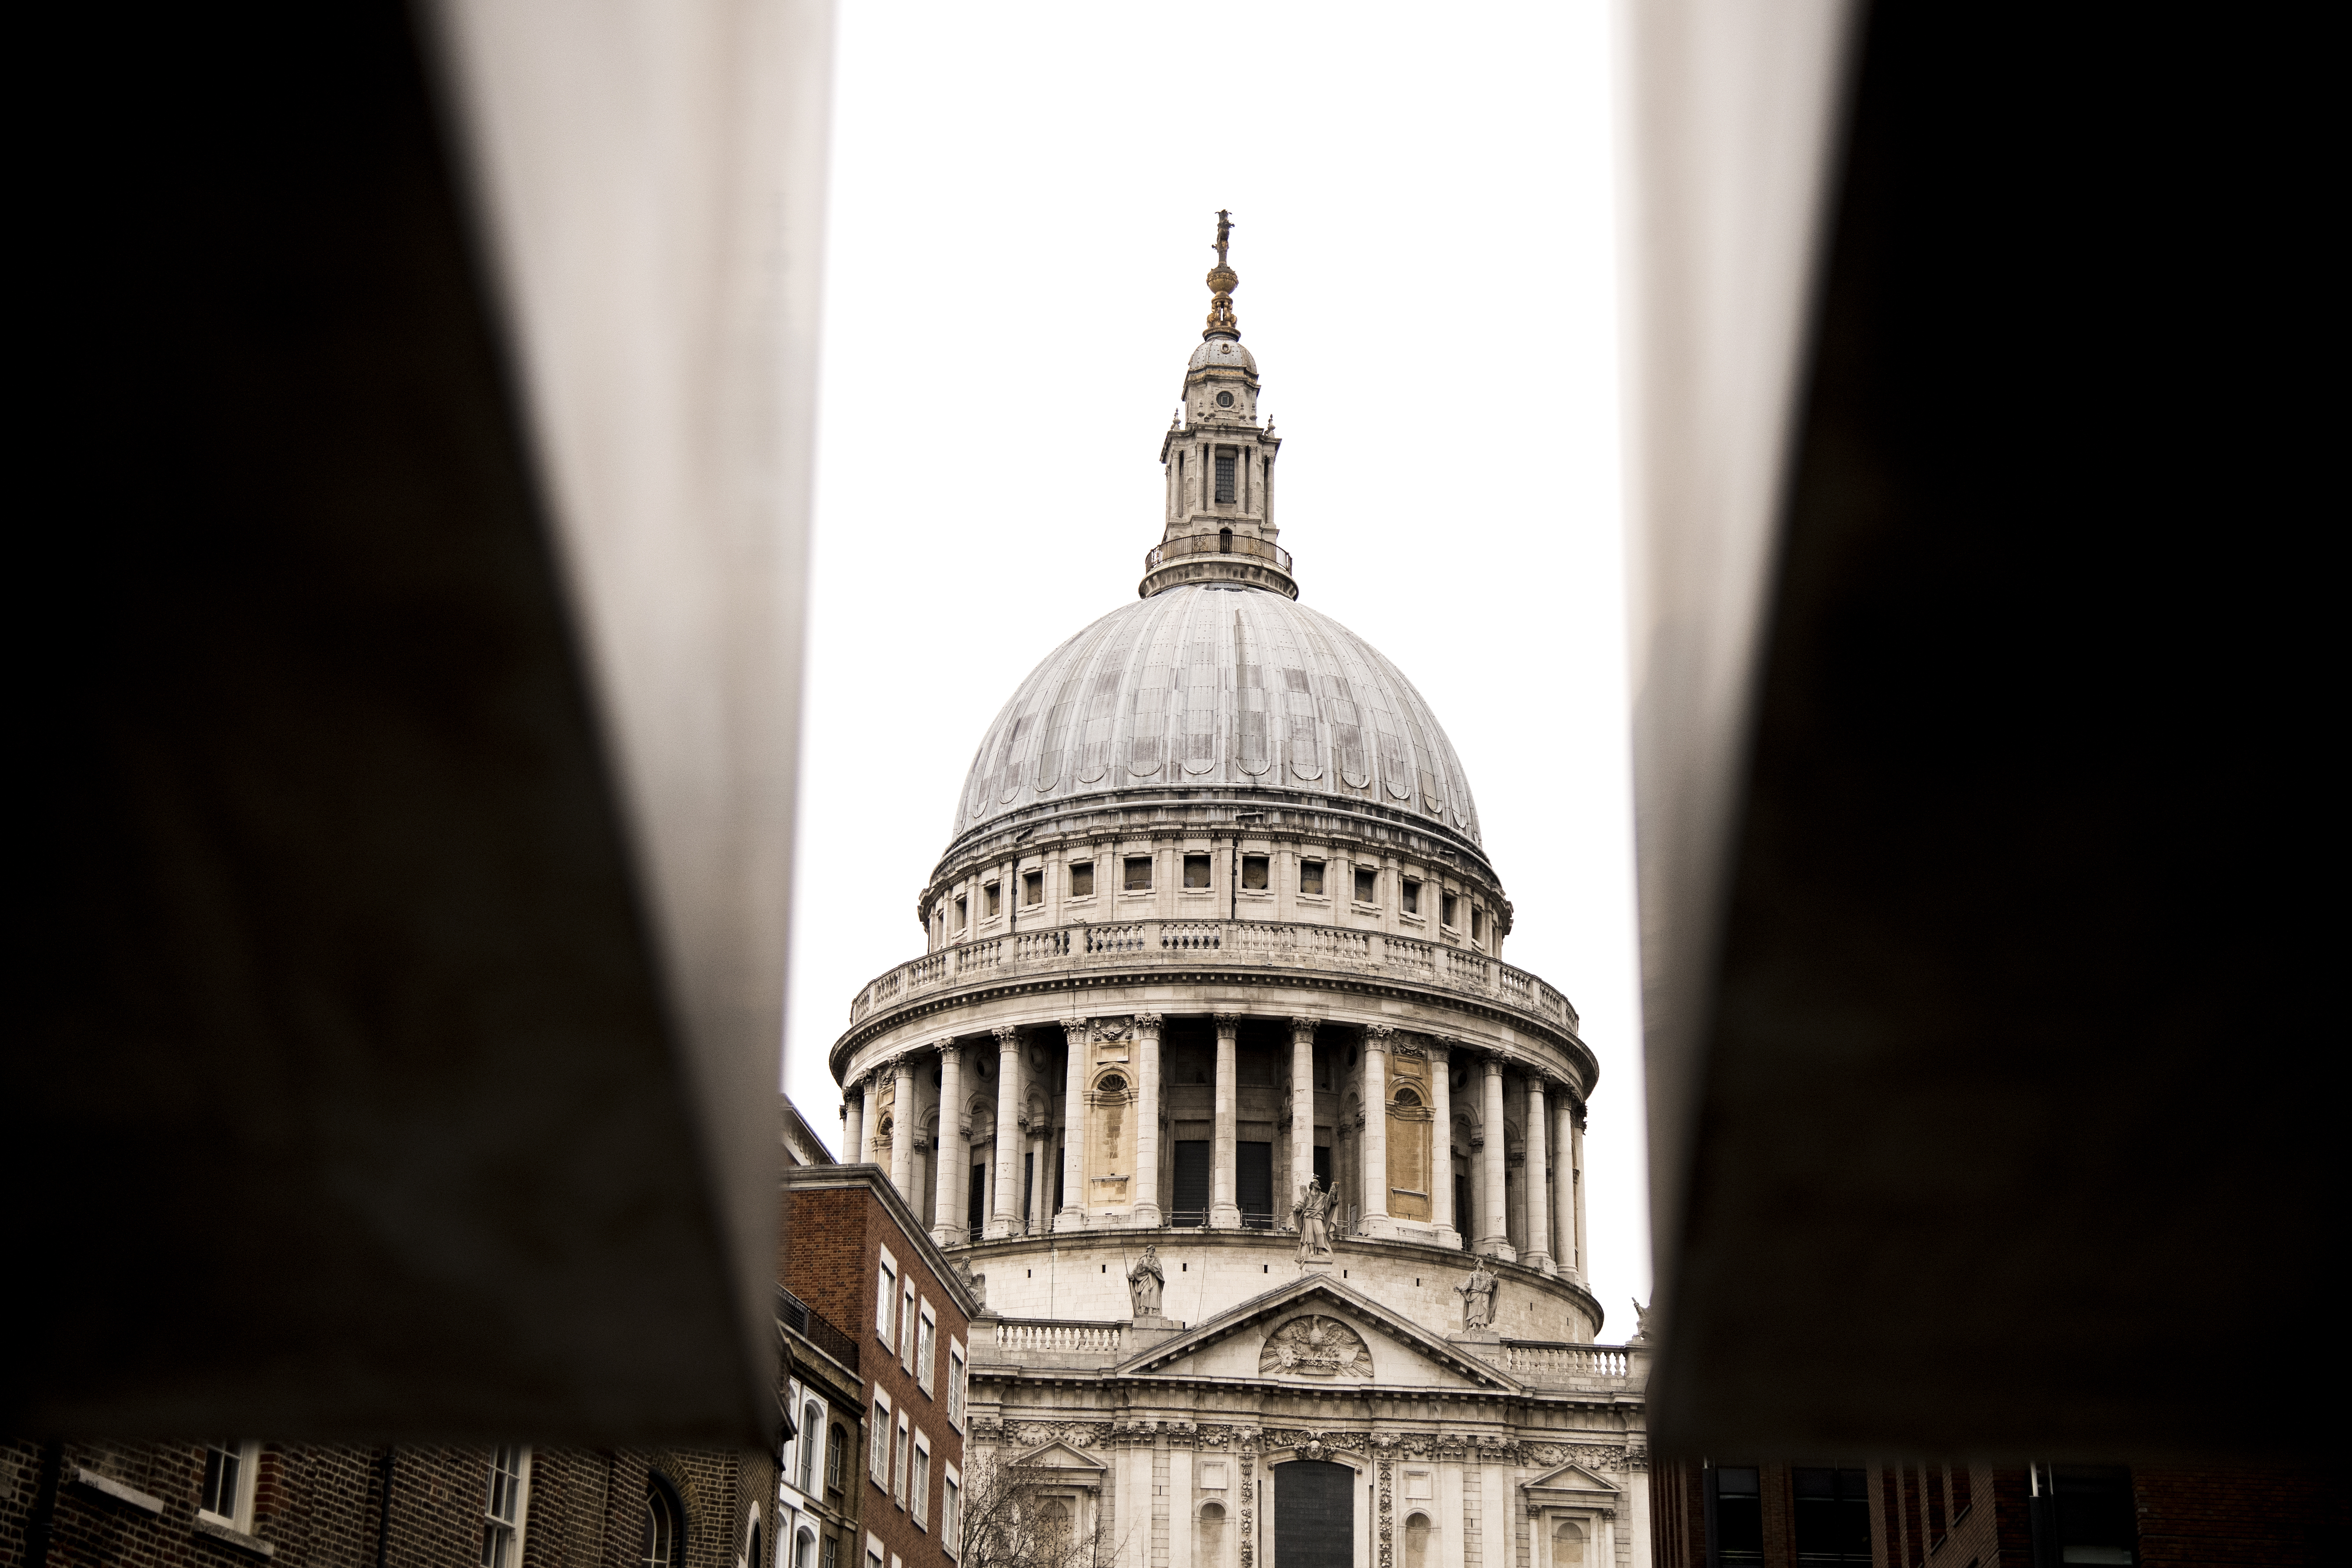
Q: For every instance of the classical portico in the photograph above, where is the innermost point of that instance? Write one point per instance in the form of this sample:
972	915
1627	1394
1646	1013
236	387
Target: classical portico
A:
1215	922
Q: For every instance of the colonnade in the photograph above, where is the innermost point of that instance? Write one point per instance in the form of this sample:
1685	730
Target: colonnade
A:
1534	1193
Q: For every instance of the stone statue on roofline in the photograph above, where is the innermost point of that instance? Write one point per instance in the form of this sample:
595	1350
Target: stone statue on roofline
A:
1477	1294
1145	1281
1307	1217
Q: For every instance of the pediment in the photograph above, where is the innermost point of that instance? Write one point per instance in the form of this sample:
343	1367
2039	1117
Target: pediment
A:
1316	1331
1573	1479
1059	1456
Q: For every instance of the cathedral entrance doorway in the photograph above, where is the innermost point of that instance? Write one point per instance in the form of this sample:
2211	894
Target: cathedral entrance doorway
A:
1314	1515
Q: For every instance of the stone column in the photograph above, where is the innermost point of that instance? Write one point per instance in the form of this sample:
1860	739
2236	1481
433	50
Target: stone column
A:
869	1090
1073	1215
853	1124
902	1129
1493	1239
948	1222
1147	1122
1302	1112
1539	1247
1576	1164
1372	1154
1569	1257
1004	1219
1441	1143
1222	1213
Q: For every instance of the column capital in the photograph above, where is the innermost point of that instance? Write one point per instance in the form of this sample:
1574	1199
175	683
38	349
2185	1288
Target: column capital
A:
1379	1037
1075	1030
1576	1110
1301	1026
1148	1021
1494	1062
1008	1039
945	1044
1227	1020
1541	1082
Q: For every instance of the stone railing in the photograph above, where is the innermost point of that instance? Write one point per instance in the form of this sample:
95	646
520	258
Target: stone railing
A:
1566	1364
1270	944
1211	544
1027	1337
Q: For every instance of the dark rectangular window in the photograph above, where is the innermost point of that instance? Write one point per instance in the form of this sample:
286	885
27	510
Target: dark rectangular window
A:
1253	1184
976	1207
1225	477
1736	1514
1832	1515
1323	1165
994	900
1477	925
1462	1220
1196	870
1310	876
1254	873
2085	1513
1028	1187
1447	909
1932	1483
1033	888
1139	873
1367	885
1189	1192
1413	898
1081	880
963	916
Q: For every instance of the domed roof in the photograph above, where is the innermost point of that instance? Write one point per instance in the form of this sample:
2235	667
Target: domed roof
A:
1227	352
1218	688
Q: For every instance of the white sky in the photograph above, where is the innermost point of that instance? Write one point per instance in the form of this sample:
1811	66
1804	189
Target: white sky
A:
1022	199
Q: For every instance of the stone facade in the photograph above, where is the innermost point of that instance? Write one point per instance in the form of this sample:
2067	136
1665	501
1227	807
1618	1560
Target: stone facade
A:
1212	1077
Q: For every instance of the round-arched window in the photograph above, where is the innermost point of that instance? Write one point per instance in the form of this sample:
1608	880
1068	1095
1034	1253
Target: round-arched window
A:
1416	1542
1407	1097
1567	1545
751	1557
660	1546
1113	1084
812	1423
1224	541
805	1551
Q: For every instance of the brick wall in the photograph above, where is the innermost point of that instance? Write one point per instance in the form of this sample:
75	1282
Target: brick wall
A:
321	1505
838	1220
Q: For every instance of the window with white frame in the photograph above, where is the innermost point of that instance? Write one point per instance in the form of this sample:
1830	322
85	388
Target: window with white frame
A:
661	1541
927	1348
804	1549
873	1551
880	1447
811	1439
951	1511
900	1464
907	1324
508	1508
921	1506
885	1296
229	1468
955	1384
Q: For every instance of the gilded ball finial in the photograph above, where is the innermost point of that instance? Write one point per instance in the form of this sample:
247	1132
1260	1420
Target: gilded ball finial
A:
1222	281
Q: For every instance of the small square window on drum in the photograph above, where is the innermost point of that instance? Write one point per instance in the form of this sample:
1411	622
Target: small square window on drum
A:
1139	873
1254	873
1196	871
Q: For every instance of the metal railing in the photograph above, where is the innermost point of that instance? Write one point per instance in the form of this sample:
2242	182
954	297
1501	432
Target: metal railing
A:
812	1326
1271	944
1215	545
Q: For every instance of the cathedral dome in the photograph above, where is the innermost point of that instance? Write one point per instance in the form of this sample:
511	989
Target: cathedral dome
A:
1212	688
1223	353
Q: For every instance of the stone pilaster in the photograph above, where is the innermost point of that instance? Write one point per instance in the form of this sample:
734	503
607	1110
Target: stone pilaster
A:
1223	1214
950	1227
1146	1211
1073	1215
1373	1154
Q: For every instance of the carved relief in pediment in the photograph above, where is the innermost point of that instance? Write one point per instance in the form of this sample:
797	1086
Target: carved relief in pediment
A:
1316	1346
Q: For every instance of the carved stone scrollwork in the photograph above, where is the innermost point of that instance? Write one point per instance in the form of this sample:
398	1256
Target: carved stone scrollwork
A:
1412	1050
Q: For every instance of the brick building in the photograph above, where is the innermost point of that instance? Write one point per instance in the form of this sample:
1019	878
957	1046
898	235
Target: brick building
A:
859	1261
1726	1515
240	1504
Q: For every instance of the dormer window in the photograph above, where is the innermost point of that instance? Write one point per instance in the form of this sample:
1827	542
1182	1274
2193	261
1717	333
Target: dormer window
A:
1225	477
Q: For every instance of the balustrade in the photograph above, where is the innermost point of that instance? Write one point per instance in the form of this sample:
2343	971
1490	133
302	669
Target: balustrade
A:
1278	944
1040	1336
1548	1363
